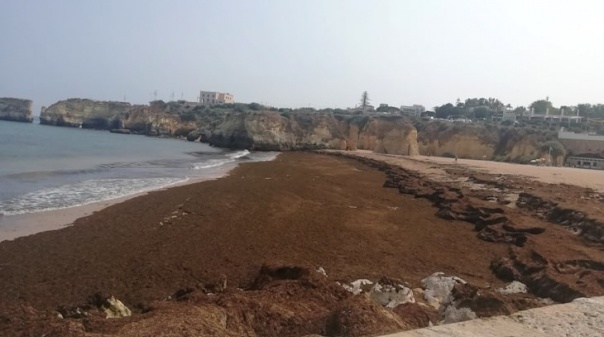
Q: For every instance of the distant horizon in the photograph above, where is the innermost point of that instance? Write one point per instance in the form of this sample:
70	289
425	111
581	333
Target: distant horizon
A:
320	54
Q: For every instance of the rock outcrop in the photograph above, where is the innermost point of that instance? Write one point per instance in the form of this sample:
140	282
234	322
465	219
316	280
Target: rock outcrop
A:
382	134
157	118
15	109
239	128
480	141
271	131
84	113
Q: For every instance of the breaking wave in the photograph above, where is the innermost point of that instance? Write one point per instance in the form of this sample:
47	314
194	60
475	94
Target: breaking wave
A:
81	193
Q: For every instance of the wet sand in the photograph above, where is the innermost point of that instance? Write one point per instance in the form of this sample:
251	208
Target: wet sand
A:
15	226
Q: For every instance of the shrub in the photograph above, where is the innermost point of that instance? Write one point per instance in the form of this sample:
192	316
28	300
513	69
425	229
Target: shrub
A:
553	147
188	117
507	123
254	106
523	159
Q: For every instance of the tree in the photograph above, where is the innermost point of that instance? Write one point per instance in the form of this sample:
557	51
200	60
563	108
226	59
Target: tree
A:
519	110
446	111
482	112
554	148
585	110
254	106
541	106
387	108
365	100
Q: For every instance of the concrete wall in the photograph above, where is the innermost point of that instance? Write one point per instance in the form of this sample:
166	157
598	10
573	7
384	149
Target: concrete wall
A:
579	136
583	317
581	147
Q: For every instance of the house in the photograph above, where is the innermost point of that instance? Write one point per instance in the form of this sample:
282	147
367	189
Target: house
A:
414	110
214	97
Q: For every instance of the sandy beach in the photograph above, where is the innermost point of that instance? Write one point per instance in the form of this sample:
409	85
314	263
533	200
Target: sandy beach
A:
548	174
244	249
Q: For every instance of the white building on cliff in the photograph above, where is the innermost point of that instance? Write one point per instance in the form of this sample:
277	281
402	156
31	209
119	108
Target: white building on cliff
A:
214	97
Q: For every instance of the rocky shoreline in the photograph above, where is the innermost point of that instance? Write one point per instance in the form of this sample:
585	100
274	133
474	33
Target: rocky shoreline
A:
307	244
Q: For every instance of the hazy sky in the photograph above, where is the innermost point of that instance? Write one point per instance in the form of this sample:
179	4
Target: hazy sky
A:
306	52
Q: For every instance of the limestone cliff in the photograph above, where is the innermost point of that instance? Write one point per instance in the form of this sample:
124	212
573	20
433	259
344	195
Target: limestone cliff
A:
15	109
479	141
157	118
272	131
238	126
83	113
383	134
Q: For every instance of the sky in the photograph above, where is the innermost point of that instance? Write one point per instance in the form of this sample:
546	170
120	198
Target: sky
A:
319	53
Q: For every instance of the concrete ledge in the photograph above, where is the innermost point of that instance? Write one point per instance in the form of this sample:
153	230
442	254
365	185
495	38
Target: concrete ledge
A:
584	317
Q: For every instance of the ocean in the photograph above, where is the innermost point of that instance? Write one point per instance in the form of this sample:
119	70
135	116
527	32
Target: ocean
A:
46	168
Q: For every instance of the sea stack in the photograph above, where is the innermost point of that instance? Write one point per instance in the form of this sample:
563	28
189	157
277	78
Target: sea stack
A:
16	109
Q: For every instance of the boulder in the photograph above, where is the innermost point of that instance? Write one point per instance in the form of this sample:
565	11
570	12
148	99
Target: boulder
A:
438	287
514	288
114	308
454	315
194	135
391	295
358	286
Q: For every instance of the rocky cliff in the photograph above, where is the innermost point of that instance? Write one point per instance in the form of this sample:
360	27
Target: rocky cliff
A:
480	141
383	134
83	113
272	131
15	109
238	127
157	118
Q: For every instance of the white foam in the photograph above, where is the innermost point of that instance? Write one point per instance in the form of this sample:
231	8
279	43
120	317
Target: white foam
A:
212	163
231	158
238	154
82	193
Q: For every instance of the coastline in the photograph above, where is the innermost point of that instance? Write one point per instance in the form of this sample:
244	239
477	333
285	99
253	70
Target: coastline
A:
21	225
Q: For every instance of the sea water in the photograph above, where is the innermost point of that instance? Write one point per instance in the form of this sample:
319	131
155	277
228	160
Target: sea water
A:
48	168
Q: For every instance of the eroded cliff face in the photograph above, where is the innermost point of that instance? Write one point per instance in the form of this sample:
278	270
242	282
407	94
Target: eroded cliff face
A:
272	131
16	110
254	130
83	113
475	141
157	118
383	134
